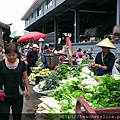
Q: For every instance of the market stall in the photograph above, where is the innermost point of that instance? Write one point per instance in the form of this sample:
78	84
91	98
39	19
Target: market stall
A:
62	88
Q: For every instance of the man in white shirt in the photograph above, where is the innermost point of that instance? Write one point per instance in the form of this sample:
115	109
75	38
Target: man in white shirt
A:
52	48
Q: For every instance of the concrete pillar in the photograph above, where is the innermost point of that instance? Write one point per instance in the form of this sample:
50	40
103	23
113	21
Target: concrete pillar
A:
118	13
56	32
76	25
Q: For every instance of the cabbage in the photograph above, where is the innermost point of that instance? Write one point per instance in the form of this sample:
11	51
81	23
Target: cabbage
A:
89	88
64	103
88	97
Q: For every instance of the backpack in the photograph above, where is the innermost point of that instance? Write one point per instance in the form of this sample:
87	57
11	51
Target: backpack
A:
43	58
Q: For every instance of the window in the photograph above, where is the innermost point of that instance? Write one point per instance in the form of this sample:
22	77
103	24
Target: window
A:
27	21
38	11
48	4
32	15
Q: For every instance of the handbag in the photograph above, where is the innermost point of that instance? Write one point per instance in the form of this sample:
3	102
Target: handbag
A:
2	96
22	89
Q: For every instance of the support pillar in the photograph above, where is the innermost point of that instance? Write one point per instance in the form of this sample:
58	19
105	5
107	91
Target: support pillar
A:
76	25
56	32
118	13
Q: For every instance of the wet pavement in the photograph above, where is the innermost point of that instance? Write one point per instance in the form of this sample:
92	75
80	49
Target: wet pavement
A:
29	107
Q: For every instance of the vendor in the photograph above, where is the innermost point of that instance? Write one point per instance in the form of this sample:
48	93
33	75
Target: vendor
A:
62	56
105	59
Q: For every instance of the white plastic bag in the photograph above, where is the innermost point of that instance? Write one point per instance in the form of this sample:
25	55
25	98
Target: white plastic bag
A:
114	70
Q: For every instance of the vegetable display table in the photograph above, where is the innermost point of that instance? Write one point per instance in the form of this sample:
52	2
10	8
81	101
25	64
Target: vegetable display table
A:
88	113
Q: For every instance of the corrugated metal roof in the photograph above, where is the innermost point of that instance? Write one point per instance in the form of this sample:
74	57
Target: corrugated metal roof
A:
4	25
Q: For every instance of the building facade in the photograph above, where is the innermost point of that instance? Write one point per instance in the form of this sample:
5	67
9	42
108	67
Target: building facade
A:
83	19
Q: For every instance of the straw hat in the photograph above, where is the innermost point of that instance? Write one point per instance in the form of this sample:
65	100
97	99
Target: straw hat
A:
106	43
41	40
61	52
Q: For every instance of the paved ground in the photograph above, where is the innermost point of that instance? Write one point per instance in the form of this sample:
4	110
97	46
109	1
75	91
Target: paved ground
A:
29	107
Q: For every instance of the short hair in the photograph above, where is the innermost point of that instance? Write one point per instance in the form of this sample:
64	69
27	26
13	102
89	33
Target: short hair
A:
11	47
79	50
50	45
17	44
45	47
84	52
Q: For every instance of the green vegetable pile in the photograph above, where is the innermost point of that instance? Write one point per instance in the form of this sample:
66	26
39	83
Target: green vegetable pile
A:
108	94
63	71
86	61
51	81
67	93
105	95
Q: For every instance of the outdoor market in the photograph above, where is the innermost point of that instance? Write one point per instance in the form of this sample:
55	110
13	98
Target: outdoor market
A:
65	63
71	88
65	83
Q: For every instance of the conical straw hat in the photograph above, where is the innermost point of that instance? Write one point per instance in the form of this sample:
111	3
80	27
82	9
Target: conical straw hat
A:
106	43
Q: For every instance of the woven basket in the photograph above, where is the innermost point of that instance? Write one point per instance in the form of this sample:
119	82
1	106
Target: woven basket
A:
52	60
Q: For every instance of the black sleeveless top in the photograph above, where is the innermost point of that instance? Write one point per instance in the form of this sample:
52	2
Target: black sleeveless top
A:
11	78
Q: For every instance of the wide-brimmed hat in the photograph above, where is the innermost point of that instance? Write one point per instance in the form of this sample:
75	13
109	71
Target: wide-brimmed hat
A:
106	43
61	52
35	46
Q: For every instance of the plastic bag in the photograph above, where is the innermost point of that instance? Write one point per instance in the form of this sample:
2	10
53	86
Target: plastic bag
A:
114	70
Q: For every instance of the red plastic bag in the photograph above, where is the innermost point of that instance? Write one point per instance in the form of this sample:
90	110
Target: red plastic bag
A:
2	96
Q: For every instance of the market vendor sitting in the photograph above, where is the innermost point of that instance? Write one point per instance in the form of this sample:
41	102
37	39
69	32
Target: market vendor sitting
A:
62	56
105	59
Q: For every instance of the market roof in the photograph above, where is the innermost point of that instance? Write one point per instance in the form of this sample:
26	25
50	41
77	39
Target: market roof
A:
4	25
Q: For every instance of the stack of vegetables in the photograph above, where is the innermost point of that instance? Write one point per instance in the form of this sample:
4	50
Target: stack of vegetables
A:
38	72
99	91
51	80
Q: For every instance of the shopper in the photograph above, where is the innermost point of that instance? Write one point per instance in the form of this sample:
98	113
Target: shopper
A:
2	55
116	32
52	49
105	59
18	48
62	56
80	53
43	58
14	83
32	58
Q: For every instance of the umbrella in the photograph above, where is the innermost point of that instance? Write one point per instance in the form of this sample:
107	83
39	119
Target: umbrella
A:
31	36
18	33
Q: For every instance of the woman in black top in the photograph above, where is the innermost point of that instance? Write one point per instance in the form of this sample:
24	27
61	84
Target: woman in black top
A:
105	59
12	73
32	58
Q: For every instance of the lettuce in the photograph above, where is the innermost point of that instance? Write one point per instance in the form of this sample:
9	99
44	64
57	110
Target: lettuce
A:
89	88
88	97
